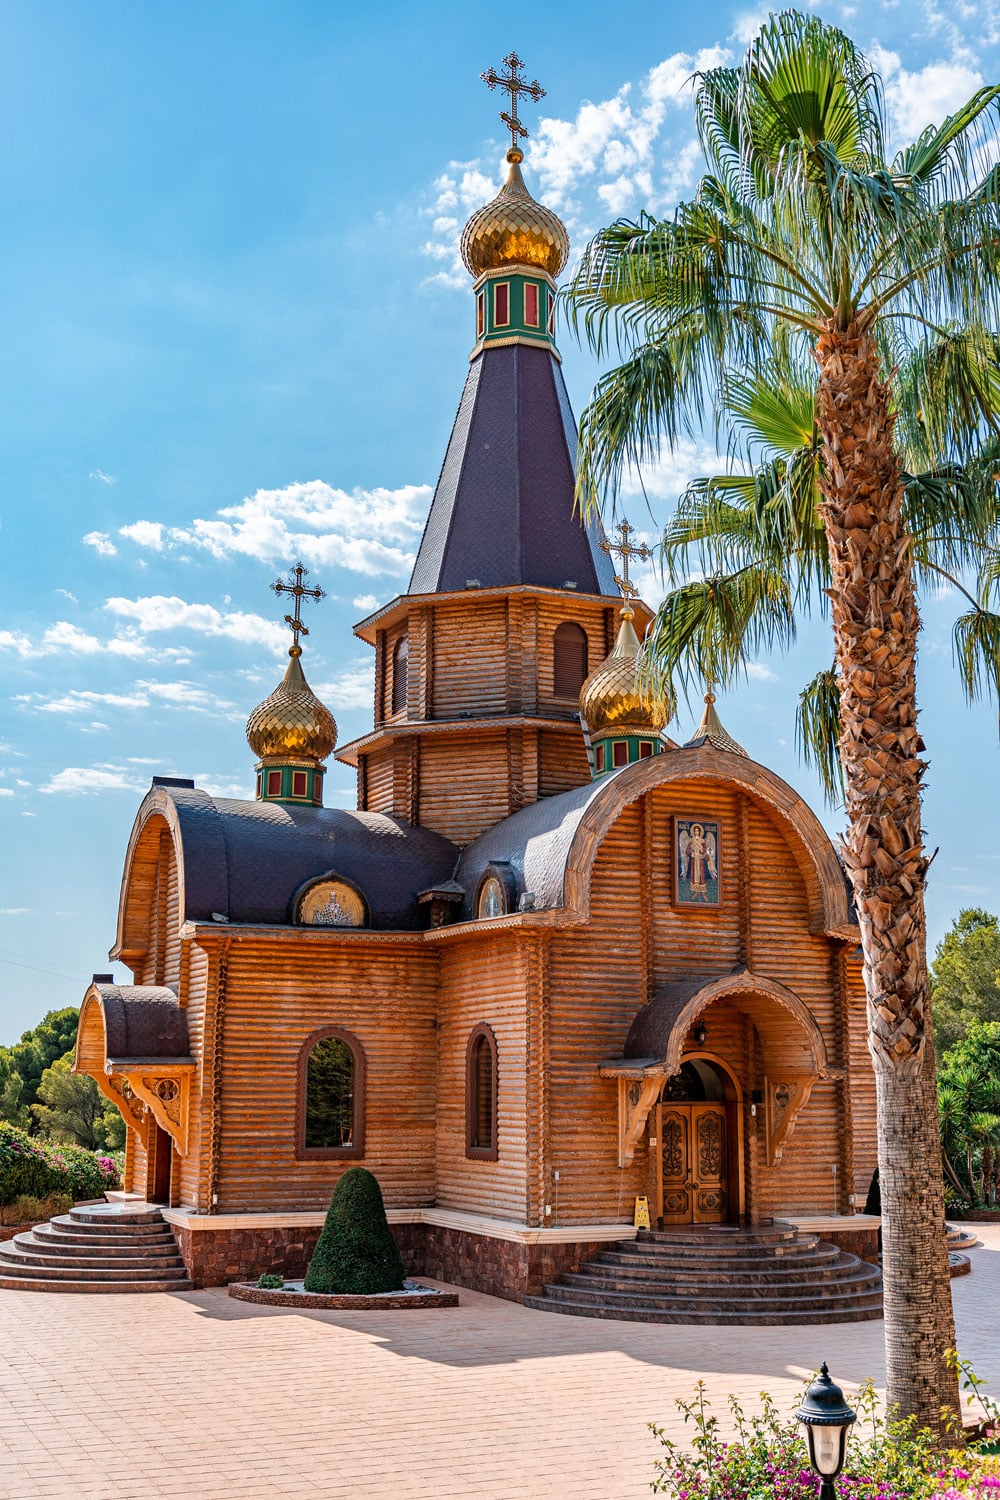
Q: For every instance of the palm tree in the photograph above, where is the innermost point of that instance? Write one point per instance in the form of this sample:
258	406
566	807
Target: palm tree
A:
805	235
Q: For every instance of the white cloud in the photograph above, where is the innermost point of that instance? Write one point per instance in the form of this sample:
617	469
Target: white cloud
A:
77	780
67	595
102	542
925	96
82	700
674	470
144	534
64	636
104	478
367	602
156	612
218	788
353	688
757	671
14	911
6	791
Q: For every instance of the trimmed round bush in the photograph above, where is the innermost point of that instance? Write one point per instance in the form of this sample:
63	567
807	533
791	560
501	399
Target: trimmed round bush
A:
356	1253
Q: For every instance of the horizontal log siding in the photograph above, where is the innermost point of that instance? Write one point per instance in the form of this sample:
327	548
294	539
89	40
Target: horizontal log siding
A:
464	789
597	983
562	763
484	982
380	780
276	996
552	614
470	659
190	1177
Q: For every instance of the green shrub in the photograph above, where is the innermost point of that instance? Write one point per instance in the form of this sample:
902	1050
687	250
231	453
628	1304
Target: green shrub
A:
269	1283
356	1253
34	1168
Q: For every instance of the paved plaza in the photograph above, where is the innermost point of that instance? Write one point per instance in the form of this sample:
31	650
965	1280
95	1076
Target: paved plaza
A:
489	1399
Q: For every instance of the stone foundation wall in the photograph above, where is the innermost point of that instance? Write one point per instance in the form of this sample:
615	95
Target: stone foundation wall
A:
503	1268
862	1242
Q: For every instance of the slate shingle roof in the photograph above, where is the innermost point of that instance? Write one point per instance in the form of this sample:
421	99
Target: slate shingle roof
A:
247	860
143	1020
503	509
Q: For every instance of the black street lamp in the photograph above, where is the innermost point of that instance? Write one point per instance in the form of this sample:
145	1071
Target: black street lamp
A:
827	1420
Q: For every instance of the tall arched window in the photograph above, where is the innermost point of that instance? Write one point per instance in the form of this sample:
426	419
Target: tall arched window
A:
400	657
569	660
331	1102
481	1095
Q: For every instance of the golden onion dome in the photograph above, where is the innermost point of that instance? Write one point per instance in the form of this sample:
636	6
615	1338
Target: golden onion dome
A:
292	724
613	698
515	230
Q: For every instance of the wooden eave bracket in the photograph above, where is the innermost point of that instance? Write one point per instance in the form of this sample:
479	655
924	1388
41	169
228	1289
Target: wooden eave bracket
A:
635	1100
162	1085
114	1086
785	1098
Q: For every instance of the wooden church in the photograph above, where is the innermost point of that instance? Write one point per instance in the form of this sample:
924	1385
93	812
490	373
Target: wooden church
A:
554	962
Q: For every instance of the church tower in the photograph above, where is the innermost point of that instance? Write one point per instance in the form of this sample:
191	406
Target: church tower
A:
513	598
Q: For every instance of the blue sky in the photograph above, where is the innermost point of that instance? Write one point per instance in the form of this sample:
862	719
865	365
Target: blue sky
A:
235	332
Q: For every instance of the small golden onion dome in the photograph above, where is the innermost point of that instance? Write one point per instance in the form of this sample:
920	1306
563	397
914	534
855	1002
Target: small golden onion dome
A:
711	732
514	230
292	723
613	698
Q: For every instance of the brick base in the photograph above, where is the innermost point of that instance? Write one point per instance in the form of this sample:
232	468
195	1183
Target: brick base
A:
503	1268
861	1242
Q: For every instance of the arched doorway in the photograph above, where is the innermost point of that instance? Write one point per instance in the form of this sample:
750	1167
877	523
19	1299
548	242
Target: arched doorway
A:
697	1128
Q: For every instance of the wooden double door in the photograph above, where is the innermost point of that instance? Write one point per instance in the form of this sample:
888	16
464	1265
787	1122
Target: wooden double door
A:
695	1155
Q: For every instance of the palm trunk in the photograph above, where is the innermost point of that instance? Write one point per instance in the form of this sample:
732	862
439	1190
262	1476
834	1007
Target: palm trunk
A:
876	625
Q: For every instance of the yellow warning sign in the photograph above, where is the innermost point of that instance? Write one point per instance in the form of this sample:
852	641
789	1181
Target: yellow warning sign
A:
641	1219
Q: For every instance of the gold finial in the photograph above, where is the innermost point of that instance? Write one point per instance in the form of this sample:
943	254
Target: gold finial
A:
300	592
624	549
515	86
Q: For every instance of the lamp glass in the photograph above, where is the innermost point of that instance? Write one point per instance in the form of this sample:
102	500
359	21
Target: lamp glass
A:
826	1448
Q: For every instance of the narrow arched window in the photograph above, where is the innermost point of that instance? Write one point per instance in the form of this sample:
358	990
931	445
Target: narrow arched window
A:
481	1095
331	1095
569	660
400	658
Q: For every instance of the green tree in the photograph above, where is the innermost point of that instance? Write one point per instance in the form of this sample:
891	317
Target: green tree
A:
969	1112
965	976
26	1061
805	234
74	1111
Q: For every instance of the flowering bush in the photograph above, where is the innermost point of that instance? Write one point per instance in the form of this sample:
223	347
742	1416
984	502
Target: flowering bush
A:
767	1459
35	1168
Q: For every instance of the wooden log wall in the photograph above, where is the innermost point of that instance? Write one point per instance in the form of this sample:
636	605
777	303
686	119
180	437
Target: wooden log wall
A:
484	981
563	763
464	784
189	1175
277	994
599	980
152	913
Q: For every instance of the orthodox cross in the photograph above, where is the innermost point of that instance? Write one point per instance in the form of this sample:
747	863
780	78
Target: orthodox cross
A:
515	85
299	592
624	549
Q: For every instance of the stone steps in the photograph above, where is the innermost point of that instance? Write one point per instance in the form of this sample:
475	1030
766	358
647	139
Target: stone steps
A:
101	1248
743	1276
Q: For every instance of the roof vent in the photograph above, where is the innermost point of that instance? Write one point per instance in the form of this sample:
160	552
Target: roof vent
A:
570	583
527	901
181	781
473	583
103	979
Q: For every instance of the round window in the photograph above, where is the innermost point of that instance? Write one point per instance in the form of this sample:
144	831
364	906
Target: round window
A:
331	903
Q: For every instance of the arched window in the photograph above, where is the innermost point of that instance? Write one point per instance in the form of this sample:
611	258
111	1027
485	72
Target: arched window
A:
400	657
331	1101
481	1095
569	660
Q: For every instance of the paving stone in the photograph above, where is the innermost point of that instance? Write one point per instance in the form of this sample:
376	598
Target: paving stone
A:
194	1395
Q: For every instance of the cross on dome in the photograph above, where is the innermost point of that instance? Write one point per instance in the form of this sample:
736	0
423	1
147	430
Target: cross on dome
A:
299	591
624	549
515	86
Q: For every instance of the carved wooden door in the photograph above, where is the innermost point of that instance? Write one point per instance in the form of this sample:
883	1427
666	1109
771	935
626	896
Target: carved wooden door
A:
693	1140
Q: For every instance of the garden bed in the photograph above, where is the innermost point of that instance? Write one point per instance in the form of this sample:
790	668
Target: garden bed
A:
293	1294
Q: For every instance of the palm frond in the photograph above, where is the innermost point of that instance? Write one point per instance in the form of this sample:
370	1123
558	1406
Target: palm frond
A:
817	732
976	641
709	629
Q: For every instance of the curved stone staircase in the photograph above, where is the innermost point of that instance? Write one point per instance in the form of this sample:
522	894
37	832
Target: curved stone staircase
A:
103	1247
720	1274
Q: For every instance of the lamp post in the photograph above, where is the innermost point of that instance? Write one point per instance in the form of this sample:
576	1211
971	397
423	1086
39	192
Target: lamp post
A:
827	1419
